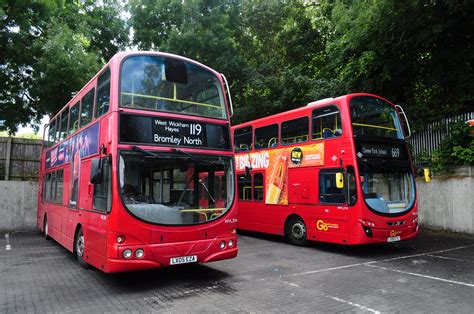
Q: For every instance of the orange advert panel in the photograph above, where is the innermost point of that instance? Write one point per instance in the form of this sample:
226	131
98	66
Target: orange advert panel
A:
276	163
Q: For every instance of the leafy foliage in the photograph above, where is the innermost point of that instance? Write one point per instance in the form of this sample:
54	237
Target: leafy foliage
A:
455	150
49	50
277	55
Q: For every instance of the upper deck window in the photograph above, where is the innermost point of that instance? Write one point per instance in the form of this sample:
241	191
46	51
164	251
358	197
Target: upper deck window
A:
266	137
326	123
165	84
243	139
295	131
373	117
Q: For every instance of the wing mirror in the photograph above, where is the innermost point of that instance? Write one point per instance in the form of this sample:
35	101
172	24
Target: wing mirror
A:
339	180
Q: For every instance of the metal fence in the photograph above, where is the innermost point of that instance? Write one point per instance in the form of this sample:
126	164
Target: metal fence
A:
430	137
19	158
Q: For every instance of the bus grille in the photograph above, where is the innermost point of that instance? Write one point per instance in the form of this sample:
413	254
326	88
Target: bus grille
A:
396	223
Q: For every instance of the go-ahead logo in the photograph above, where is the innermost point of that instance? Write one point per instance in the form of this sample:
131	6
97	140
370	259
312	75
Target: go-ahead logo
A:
324	226
394	233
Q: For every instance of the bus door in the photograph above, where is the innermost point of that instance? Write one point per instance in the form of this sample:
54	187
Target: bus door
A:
332	215
94	204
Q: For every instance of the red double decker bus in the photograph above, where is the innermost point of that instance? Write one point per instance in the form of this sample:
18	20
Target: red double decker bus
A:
337	170
137	169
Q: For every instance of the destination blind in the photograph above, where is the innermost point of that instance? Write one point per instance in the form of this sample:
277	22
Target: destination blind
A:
381	150
149	130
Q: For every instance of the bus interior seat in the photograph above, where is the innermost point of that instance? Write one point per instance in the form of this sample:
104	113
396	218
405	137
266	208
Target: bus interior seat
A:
327	133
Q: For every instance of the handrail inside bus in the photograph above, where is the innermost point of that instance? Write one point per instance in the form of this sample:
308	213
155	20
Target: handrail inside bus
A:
375	126
169	99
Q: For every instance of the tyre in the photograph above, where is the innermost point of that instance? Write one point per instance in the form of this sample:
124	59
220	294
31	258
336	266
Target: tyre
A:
79	249
295	231
46	228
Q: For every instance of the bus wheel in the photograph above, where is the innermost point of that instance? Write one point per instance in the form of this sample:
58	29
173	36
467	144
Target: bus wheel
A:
46	229
295	231
79	249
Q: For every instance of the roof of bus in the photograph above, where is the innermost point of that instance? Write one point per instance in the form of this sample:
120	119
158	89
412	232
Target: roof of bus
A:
117	59
313	104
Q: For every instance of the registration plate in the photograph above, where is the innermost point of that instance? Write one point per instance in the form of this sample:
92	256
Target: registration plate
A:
183	260
393	239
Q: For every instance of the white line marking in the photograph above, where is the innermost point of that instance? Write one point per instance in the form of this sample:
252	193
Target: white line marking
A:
353	304
424	276
451	258
375	261
8	247
290	283
326	269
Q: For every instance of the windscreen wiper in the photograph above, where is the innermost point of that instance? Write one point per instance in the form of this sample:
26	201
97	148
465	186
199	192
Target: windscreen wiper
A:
145	152
196	158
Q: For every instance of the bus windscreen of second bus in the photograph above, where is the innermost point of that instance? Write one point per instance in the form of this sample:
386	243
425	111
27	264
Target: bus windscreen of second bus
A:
386	177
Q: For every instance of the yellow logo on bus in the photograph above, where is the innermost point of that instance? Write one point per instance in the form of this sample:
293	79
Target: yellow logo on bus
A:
394	233
324	226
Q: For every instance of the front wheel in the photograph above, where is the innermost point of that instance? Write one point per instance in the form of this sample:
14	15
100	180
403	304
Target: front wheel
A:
295	231
79	249
46	229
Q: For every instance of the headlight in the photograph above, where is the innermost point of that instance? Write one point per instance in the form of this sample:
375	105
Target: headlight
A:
222	245
127	253
139	253
231	243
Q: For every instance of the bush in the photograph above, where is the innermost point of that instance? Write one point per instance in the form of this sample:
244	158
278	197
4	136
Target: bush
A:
458	149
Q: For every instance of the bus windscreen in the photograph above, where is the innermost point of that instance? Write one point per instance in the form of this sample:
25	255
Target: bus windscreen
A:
170	85
373	117
176	189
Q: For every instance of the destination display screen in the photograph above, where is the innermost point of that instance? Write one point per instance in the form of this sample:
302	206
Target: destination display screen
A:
173	132
385	150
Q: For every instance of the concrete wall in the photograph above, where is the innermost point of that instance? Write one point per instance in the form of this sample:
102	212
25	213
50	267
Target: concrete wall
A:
18	203
448	203
444	203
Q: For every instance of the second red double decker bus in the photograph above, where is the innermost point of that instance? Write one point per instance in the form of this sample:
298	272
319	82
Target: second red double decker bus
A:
337	170
137	169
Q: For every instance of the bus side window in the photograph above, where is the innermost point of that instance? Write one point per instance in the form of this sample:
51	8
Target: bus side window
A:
326	123
52	132
244	184
295	131
103	190
103	94
74	119
266	137
46	137
352	186
243	139
53	187
87	106
47	192
328	191
59	186
258	187
64	127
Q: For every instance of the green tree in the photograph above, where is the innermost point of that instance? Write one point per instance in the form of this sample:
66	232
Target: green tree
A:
415	53
51	49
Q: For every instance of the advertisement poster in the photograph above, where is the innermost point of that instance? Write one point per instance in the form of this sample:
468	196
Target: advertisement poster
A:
86	142
276	163
82	145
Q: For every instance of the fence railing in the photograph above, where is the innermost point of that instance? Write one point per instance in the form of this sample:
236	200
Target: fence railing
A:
19	158
430	137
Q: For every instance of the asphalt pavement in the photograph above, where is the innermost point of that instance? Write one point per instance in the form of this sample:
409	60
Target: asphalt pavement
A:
432	273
